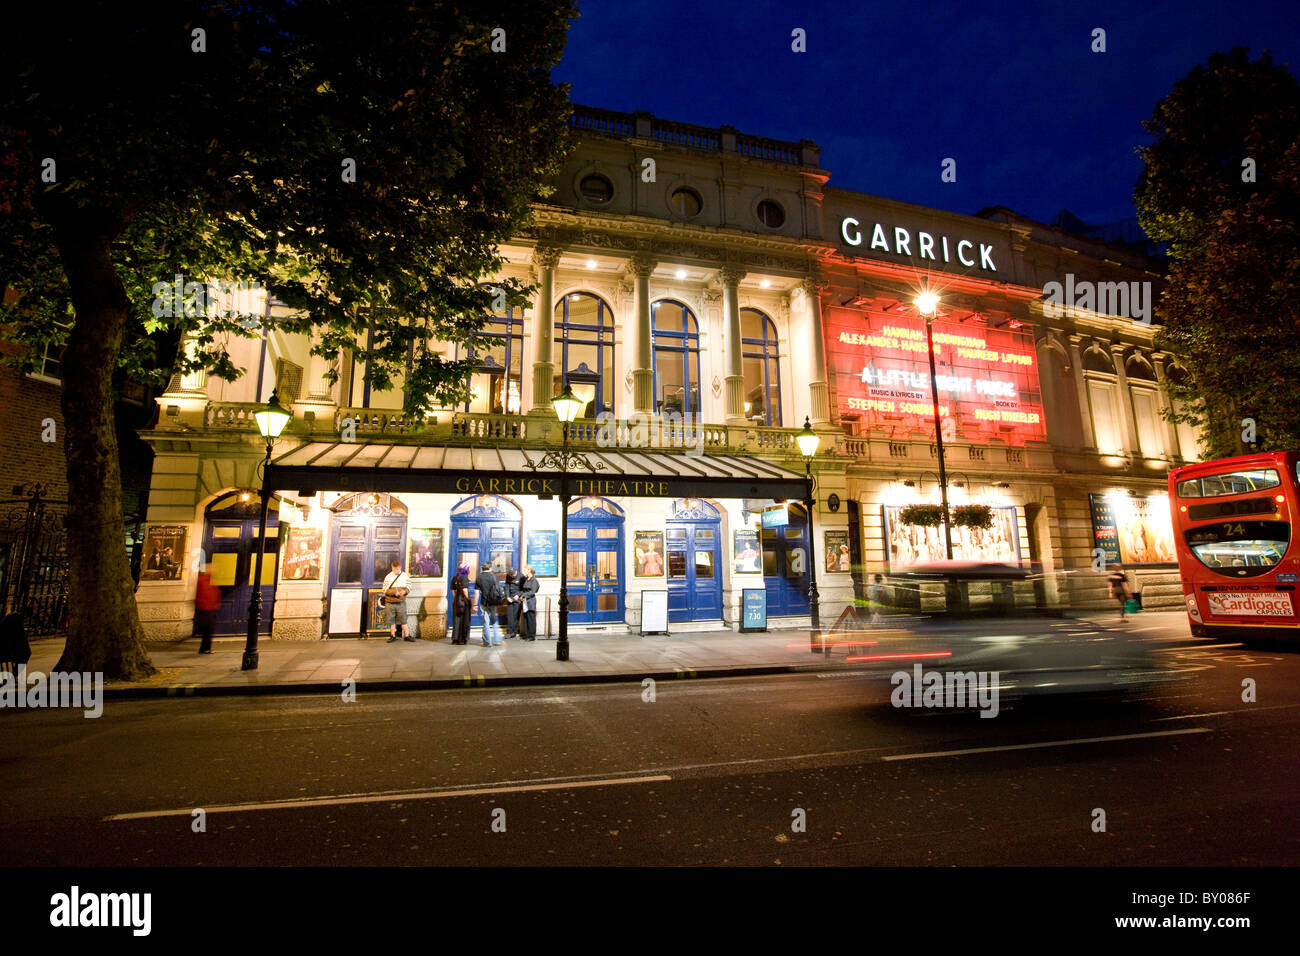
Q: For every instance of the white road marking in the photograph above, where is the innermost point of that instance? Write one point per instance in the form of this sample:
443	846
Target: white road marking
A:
1246	709
389	797
1046	743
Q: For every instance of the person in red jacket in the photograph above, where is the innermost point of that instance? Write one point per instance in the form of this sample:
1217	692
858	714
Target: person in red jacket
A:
207	598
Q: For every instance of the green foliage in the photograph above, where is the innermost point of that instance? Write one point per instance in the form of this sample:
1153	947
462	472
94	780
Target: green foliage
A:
1229	307
227	164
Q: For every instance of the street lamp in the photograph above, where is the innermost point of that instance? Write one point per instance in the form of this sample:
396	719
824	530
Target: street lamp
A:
566	406
927	303
271	420
808	441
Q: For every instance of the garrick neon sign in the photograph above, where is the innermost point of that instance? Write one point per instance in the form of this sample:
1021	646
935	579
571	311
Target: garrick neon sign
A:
936	248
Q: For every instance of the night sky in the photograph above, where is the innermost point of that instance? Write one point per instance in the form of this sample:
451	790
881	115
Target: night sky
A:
1036	121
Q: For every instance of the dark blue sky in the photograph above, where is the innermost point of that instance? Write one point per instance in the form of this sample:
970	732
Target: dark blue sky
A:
1035	120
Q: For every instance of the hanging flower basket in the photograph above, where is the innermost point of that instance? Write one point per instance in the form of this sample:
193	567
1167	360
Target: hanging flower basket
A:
926	516
973	516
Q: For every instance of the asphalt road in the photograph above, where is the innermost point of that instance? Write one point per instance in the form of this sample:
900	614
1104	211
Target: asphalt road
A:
710	772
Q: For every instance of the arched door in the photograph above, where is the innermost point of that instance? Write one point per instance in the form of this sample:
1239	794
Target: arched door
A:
594	563
230	543
786	565
367	534
694	557
484	530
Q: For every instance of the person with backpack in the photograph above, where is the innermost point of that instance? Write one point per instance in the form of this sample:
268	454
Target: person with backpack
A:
491	596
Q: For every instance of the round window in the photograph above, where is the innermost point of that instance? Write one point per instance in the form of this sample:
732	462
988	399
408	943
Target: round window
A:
771	214
686	203
596	189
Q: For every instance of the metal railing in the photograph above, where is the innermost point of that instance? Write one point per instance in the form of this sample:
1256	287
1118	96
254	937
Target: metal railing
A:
466	428
590	119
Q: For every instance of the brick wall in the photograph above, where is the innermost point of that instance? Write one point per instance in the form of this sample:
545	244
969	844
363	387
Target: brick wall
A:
24	404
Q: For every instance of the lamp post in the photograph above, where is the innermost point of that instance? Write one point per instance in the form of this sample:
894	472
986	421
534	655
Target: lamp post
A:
270	423
808	441
927	303
566	406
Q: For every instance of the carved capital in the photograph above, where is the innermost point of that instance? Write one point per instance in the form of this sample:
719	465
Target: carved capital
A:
547	257
641	264
814	284
731	275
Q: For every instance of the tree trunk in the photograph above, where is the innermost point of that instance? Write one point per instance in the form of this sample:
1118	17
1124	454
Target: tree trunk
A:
104	632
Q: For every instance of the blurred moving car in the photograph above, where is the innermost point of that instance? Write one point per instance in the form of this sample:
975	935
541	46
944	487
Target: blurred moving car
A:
986	632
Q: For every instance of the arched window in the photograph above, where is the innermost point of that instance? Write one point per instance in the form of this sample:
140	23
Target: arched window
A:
583	351
494	384
761	368
1136	368
675	336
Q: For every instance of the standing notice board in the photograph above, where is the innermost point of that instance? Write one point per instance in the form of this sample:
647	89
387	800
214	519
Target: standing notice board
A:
345	611
753	610
654	612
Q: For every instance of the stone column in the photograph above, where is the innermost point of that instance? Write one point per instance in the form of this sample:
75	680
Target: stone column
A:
1131	443
1172	448
821	408
643	374
731	347
545	259
1081	384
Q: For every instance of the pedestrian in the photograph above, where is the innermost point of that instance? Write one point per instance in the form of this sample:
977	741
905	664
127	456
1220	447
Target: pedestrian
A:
207	599
512	604
528	589
397	585
875	597
1119	590
491	595
460	606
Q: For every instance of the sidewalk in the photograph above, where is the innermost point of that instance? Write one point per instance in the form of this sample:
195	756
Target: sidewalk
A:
322	666
287	667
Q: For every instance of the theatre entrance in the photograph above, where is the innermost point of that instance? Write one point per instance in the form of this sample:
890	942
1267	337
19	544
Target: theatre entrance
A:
694	557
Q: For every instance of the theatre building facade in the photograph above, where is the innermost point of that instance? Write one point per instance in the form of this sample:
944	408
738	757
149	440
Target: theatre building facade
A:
703	293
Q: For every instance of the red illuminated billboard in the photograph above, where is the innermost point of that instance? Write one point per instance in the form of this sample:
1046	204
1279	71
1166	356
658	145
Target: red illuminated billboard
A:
987	377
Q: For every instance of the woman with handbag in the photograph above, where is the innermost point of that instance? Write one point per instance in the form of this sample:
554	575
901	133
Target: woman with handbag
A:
460	606
397	585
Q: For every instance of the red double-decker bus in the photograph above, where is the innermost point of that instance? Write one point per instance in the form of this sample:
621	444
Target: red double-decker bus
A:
1234	527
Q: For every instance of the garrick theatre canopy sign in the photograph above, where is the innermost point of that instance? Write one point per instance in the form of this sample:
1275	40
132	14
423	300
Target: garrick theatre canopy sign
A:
356	466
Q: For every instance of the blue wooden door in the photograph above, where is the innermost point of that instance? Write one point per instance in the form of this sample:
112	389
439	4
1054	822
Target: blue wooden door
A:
362	549
786	564
693	543
230	544
484	530
594	562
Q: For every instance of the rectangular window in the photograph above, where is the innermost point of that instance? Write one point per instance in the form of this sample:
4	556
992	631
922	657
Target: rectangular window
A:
1104	420
1144	414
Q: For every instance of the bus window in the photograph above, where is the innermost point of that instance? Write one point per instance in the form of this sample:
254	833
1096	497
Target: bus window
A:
1232	483
1240	548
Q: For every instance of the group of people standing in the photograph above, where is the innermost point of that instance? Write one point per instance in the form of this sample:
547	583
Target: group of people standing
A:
517	593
